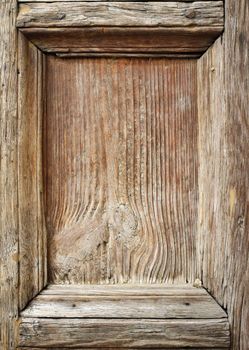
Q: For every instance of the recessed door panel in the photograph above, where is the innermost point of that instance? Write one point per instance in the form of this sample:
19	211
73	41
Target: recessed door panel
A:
120	169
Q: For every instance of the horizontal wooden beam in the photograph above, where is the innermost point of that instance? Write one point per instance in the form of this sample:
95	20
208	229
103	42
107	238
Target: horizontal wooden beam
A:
124	290
127	316
111	0
116	302
123	41
126	14
112	348
122	28
99	333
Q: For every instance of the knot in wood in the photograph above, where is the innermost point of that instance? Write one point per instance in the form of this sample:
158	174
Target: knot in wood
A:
190	14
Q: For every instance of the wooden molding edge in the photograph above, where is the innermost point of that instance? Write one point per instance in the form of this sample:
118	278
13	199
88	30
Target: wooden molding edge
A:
143	316
130	28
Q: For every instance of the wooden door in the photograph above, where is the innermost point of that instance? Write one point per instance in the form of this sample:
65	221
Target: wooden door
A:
111	97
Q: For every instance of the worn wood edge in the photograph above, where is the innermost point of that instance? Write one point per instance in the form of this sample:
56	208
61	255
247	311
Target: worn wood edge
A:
126	308
118	41
32	233
130	301
127	14
113	348
126	289
110	333
135	55
223	175
110	1
8	176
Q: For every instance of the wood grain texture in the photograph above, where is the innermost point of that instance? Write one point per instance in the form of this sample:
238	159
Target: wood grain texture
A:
32	234
123	290
113	348
152	302
127	41
123	333
121	201
113	0
128	14
224	170
8	175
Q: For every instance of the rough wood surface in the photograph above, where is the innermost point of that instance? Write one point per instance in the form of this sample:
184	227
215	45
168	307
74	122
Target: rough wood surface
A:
113	348
224	170
112	0
32	235
149	14
121	302
123	333
123	289
8	175
113	41
120	166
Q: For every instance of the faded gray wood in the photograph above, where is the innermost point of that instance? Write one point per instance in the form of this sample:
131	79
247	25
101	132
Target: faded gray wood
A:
124	316
224	170
112	0
8	175
123	289
128	14
32	233
112	302
123	333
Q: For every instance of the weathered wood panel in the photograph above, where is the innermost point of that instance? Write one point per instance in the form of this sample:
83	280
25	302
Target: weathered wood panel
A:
32	235
8	175
120	160
128	14
224	170
124	333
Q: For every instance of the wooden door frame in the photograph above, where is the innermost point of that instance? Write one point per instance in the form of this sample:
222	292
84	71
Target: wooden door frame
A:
96	34
213	73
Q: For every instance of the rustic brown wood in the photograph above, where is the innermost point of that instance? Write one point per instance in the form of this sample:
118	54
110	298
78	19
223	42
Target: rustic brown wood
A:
122	27
129	41
224	167
99	333
125	55
8	176
127	14
32	235
121	302
120	160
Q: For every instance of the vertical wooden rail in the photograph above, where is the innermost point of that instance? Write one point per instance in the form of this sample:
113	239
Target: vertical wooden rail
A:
8	174
224	170
31	227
